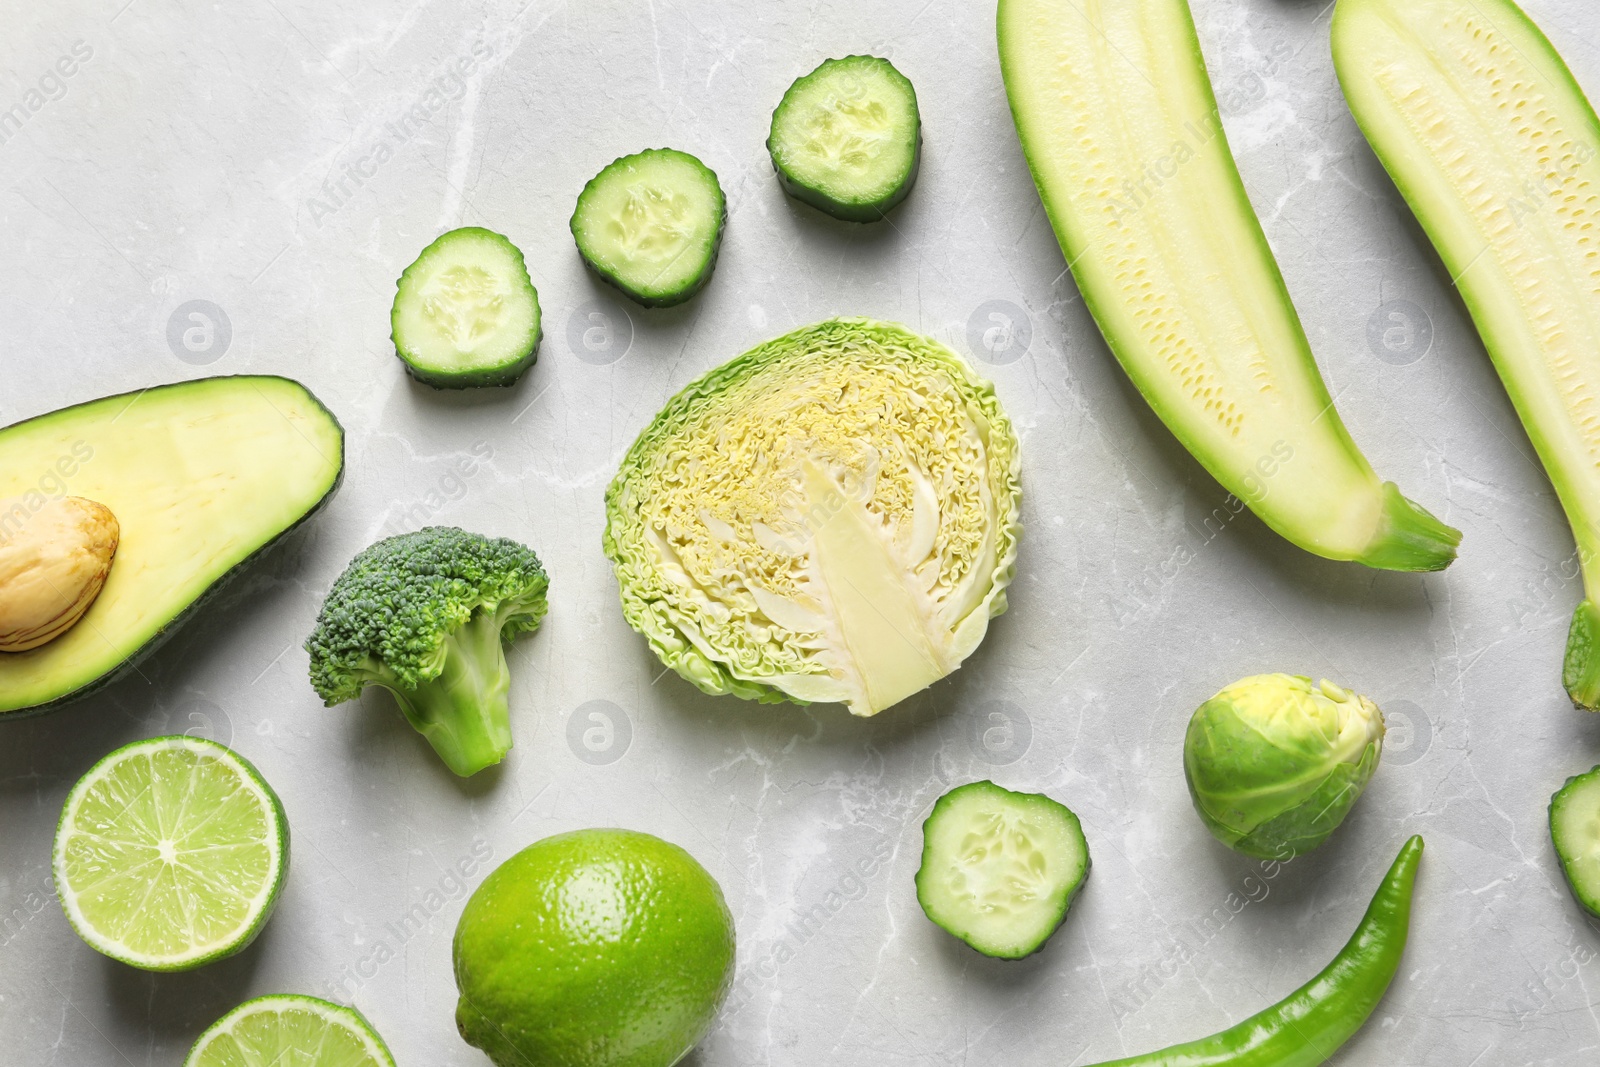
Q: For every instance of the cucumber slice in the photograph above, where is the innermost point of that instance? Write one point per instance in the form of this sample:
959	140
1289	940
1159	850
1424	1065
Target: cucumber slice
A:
650	224
466	313
1000	869
1575	830
847	138
1493	144
1119	125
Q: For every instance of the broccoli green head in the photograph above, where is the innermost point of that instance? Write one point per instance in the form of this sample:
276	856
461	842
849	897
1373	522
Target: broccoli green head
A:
426	615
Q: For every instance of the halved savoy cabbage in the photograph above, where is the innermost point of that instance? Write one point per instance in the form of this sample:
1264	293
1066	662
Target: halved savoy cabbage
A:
832	516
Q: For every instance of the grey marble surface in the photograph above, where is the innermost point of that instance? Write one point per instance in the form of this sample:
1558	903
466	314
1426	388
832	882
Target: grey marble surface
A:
283	160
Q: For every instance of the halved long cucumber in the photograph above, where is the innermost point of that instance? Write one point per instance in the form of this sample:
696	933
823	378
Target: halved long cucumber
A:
847	138
1575	831
1120	127
1000	869
465	313
1494	146
651	224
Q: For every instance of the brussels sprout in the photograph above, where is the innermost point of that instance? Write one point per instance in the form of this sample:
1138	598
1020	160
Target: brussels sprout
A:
1274	763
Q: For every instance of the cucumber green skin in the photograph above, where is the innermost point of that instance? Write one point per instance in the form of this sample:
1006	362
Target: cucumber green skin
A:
1581	662
1588	897
220	585
930	908
272	898
1310	1024
839	209
656	300
505	374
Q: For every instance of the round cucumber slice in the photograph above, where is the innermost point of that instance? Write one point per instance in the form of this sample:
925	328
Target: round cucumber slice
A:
847	138
170	854
1575	830
1000	869
291	1031
650	224
466	313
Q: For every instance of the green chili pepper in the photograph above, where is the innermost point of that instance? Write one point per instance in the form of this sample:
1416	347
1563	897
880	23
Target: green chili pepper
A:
1310	1024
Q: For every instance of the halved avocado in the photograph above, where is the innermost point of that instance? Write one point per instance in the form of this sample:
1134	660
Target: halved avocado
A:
202	476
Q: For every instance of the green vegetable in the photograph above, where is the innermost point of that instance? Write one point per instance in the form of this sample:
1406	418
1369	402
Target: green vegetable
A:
650	224
1120	128
1000	869
202	477
847	138
466	313
1494	146
170	854
1275	763
598	948
832	516
427	615
1575	831
1310	1024
290	1031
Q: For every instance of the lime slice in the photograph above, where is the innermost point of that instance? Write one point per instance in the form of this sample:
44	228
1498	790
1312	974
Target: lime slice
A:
290	1031
170	854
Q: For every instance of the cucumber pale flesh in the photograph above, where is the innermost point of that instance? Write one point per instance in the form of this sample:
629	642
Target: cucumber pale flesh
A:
1120	128
1575	831
1494	146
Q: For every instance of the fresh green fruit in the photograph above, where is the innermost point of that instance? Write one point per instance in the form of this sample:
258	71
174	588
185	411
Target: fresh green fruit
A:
832	516
847	138
466	313
202	476
599	948
1492	143
651	224
1120	127
170	854
1575	831
290	1031
1000	869
1274	763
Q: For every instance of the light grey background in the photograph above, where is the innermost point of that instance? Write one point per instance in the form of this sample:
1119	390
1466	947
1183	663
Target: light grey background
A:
186	160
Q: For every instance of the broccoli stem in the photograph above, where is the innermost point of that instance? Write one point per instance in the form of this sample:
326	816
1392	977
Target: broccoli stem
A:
465	713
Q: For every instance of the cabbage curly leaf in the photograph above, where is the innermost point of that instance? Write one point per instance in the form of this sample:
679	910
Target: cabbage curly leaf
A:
831	517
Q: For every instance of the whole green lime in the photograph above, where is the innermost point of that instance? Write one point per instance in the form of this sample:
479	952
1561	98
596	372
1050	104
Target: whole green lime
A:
599	948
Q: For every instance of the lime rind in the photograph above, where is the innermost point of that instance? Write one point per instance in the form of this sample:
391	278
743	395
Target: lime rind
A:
266	1029
98	857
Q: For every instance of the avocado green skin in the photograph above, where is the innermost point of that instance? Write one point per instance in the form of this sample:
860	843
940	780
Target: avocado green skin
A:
840	209
149	647
1309	1025
544	931
1588	897
506	374
655	300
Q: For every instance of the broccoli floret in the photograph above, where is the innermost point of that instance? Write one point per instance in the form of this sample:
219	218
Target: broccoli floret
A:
426	616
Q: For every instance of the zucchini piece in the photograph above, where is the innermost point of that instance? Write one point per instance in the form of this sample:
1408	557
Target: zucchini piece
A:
202	476
1000	869
650	224
1120	128
847	138
466	313
1575	831
1493	144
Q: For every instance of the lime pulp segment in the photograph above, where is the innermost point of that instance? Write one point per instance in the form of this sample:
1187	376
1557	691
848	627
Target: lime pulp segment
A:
847	137
1000	869
650	224
466	312
170	853
290	1031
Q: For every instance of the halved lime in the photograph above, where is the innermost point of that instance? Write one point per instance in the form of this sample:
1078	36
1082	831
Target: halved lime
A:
290	1031
170	854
